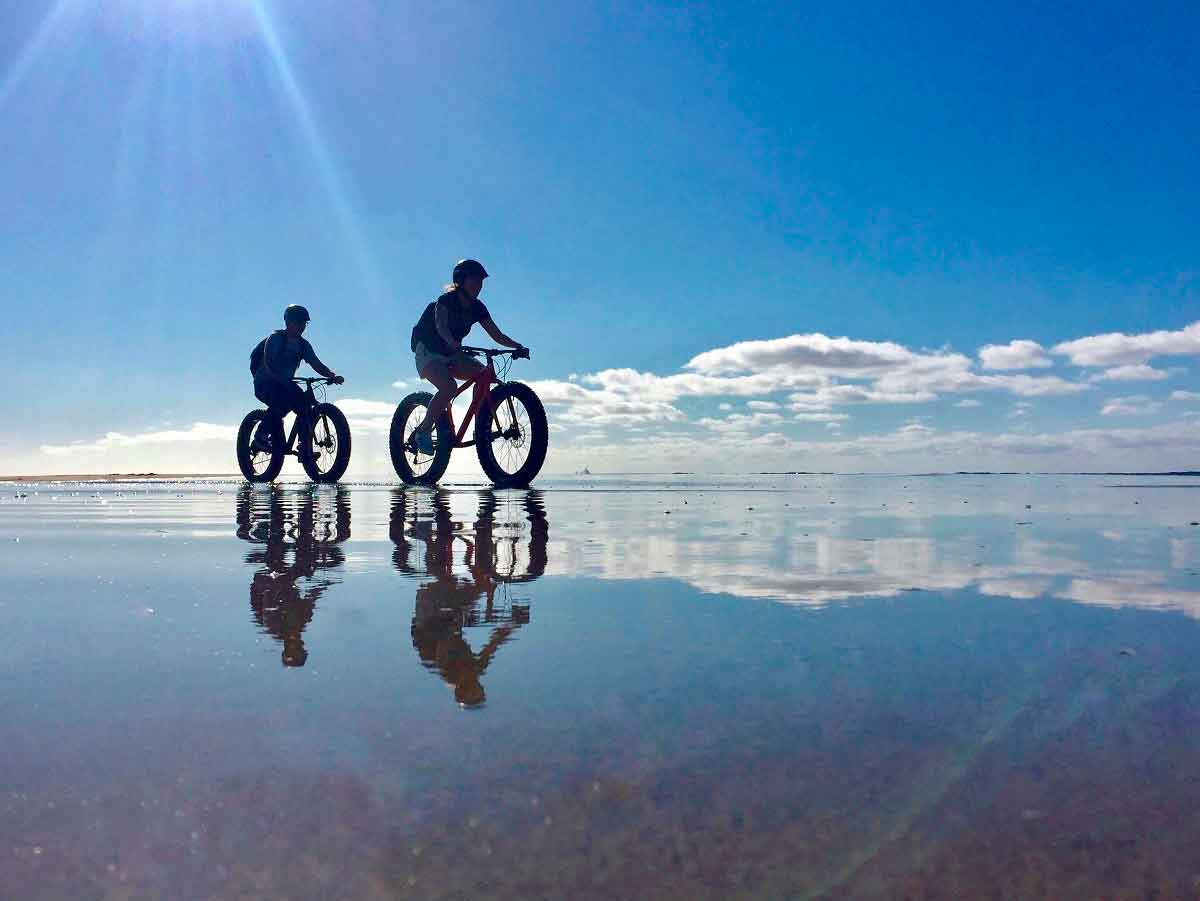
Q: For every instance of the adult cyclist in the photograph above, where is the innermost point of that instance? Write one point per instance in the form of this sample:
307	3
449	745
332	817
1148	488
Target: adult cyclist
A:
274	363
437	342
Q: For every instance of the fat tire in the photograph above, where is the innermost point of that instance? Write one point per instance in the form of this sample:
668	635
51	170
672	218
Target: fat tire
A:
539	436
245	431
342	429
441	456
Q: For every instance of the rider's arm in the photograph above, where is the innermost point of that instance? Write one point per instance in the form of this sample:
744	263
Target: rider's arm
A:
499	637
441	319
310	357
498	336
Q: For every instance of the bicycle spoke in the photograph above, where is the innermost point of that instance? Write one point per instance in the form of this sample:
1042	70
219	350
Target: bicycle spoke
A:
420	462
510	443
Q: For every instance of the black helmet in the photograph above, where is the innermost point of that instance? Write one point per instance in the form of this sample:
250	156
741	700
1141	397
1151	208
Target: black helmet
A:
295	313
466	268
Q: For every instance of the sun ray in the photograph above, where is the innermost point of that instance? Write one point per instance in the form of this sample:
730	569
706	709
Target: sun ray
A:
28	56
330	178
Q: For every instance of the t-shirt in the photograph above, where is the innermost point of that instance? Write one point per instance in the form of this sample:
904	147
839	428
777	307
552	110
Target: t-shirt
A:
458	319
284	355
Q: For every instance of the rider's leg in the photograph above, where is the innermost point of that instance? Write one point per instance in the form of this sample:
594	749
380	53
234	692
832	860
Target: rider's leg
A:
437	372
280	398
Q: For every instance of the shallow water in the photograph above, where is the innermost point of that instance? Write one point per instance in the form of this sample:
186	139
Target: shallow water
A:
780	686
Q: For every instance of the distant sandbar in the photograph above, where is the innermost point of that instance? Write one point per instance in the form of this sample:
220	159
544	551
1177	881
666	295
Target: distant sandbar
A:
120	477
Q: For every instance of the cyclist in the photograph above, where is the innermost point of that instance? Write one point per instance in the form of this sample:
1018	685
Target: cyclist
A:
437	342
273	363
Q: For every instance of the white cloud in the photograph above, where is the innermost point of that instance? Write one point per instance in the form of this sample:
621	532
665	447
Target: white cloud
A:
398	385
197	432
1119	349
814	351
1019	354
738	422
821	372
821	417
724	407
968	402
575	403
1031	386
1185	395
1019	409
1131	372
1134	405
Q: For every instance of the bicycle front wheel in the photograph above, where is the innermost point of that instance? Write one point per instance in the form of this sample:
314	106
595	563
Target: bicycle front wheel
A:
511	435
325	452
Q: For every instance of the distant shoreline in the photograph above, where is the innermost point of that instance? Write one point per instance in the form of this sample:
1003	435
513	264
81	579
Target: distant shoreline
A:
181	476
121	477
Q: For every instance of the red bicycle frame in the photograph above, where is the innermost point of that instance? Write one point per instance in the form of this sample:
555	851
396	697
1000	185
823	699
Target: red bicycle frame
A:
482	383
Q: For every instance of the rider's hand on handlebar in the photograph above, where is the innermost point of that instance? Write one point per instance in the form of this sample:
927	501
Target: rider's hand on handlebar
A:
520	352
337	380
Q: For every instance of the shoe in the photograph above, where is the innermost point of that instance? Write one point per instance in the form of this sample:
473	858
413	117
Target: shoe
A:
261	443
423	442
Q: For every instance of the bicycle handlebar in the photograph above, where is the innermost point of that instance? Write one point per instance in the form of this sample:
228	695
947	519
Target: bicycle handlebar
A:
311	381
497	351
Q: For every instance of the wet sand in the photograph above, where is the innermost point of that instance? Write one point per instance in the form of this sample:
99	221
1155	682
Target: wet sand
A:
786	686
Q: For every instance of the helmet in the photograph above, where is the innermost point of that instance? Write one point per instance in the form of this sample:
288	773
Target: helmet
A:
466	268
295	313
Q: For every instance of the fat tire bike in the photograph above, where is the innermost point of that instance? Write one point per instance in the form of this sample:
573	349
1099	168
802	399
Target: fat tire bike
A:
320	438
510	435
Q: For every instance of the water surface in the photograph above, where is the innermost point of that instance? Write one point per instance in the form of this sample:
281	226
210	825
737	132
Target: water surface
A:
779	686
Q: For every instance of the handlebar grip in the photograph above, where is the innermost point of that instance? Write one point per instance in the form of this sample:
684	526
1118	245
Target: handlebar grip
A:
521	354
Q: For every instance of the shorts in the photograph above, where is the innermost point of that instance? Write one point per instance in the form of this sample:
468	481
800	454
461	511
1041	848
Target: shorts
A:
423	356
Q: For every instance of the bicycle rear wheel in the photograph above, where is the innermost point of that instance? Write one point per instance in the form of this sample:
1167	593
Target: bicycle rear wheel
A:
325	445
412	466
511	435
258	465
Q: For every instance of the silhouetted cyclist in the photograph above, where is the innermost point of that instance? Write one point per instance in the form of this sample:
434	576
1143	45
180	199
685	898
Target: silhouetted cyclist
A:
437	342
273	363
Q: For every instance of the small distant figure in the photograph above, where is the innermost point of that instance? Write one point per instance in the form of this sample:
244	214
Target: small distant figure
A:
273	363
437	342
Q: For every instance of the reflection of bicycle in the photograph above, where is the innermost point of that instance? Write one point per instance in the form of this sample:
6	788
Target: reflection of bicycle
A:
510	435
296	538
472	590
324	447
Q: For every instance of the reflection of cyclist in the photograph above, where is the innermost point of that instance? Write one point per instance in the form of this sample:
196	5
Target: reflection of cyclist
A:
449	603
280	607
274	362
437	342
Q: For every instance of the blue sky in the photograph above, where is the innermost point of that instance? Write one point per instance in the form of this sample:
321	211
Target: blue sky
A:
650	185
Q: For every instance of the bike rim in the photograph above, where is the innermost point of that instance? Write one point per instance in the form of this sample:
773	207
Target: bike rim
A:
511	435
260	460
324	444
418	462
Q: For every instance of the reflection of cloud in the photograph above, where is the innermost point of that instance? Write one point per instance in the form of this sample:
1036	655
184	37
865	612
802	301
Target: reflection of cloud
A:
731	550
1135	589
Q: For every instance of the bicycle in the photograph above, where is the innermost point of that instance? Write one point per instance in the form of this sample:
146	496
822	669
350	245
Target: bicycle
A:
510	435
324	441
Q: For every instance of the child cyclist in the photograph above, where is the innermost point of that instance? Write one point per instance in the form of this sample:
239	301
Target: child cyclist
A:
273	364
437	343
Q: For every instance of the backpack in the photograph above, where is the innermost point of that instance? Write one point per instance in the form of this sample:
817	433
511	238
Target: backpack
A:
257	356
